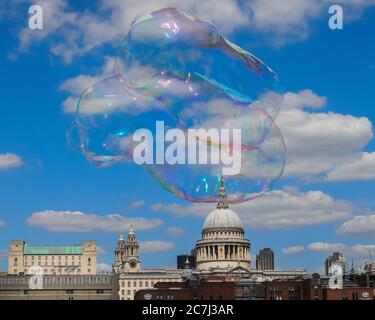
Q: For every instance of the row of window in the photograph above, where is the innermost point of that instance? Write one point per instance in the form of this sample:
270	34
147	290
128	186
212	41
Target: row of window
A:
51	271
52	258
51	264
68	291
129	283
57	280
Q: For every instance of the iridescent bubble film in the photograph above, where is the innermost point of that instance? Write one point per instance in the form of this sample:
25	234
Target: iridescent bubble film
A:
178	75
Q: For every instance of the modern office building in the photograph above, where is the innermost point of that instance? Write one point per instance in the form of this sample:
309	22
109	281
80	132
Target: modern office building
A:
265	260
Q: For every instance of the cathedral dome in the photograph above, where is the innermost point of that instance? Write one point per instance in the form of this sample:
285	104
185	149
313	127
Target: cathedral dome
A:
222	218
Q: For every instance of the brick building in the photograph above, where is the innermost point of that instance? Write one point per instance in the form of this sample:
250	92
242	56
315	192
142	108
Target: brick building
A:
206	289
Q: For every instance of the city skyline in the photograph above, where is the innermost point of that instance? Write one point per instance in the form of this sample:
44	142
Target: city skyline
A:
324	203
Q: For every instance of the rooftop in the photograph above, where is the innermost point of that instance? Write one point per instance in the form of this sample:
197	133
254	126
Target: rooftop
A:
47	250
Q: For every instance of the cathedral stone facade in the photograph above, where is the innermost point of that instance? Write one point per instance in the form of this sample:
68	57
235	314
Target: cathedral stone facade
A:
223	245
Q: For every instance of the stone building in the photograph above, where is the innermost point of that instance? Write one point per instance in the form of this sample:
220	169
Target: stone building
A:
59	287
131	276
52	260
223	245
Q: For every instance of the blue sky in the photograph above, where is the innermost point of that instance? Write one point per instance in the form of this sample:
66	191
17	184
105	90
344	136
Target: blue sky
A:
324	202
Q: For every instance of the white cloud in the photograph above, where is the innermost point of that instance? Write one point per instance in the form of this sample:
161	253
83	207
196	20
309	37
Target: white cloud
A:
156	245
72	33
100	250
360	225
290	100
102	267
357	252
290	20
284	19
174	231
137	204
322	145
76	221
77	85
327	247
9	161
2	224
318	142
361	167
293	250
280	209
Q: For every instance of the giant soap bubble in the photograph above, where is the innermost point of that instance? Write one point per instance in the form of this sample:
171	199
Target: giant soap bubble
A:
176	75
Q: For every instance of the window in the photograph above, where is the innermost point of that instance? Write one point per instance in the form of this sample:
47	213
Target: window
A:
89	261
39	257
122	292
25	292
129	284
99	291
128	292
170	297
15	261
122	283
146	284
140	283
69	291
135	283
89	270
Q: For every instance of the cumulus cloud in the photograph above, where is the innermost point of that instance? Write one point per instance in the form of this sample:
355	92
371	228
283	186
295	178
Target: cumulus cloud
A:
76	221
318	142
326	246
77	85
360	225
280	209
357	252
322	146
10	161
361	167
74	33
293	250
156	246
174	231
137	204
